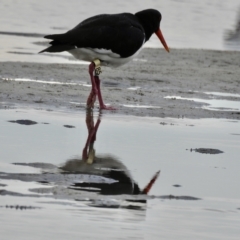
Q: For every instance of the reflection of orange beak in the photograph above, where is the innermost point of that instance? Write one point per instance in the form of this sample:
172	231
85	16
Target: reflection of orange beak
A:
149	185
161	38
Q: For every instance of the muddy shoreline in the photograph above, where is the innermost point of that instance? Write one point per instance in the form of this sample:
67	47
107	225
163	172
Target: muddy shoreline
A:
138	88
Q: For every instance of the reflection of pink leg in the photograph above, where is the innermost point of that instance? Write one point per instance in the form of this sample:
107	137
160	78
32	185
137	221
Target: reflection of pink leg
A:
91	99
92	131
92	96
101	103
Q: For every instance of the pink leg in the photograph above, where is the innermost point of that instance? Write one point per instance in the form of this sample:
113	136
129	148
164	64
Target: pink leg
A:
101	103
92	96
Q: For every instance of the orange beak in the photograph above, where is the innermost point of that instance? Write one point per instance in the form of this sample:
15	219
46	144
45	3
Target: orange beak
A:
161	38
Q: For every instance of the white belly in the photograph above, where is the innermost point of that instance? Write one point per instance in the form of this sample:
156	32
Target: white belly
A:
107	57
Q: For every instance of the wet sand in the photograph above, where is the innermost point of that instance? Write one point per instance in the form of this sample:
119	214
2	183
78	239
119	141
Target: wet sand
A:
138	88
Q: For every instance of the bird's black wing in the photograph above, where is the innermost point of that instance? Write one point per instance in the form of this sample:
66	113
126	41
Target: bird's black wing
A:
120	33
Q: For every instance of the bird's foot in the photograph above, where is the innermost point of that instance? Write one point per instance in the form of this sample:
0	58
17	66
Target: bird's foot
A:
104	107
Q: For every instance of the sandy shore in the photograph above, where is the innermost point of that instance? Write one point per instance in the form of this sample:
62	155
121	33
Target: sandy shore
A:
157	74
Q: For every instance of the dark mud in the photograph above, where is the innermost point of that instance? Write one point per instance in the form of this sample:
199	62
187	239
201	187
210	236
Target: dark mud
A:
206	150
170	197
69	126
23	122
20	207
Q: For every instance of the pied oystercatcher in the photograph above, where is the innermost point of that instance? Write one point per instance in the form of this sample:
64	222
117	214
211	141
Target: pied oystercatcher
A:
108	39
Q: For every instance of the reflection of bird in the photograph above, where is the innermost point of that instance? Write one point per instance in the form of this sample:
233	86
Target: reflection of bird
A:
106	39
86	176
117	178
106	166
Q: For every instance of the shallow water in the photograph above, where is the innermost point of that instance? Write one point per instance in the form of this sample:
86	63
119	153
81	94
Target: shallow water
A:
214	104
69	204
185	24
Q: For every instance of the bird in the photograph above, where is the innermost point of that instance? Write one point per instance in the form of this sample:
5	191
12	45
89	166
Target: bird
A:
107	40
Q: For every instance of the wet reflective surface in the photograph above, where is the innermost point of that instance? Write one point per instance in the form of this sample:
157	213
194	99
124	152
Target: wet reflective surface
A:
89	173
59	182
214	104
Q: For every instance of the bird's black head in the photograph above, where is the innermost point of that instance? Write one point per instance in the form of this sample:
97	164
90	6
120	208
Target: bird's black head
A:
150	20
